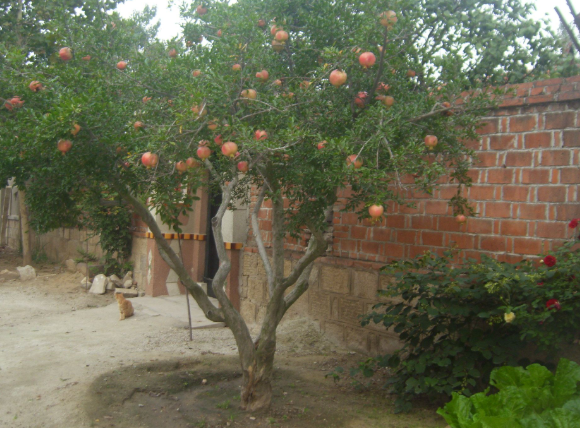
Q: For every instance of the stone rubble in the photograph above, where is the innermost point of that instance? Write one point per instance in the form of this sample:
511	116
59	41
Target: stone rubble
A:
26	273
99	284
116	280
86	283
127	293
70	265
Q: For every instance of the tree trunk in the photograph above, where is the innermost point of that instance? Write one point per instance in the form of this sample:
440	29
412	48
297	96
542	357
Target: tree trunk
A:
257	387
26	253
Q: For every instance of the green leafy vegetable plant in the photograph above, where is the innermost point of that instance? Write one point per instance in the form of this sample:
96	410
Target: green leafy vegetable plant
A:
527	398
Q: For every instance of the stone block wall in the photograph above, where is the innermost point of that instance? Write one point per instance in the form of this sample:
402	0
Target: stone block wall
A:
525	190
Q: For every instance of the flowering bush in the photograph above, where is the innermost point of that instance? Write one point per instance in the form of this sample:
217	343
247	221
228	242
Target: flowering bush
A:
459	322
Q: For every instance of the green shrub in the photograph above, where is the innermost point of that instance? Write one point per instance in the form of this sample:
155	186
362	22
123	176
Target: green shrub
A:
527	398
459	322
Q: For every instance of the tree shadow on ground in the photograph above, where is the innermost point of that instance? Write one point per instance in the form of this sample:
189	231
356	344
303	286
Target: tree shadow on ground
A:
205	392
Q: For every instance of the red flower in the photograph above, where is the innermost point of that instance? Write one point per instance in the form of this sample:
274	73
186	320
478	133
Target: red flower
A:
553	304
549	261
574	223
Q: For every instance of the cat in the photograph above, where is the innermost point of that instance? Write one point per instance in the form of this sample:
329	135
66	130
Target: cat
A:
125	306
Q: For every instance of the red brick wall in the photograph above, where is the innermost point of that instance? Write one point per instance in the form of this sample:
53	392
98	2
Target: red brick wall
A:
526	188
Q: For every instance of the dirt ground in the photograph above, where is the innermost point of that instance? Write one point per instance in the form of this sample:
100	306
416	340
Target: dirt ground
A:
67	361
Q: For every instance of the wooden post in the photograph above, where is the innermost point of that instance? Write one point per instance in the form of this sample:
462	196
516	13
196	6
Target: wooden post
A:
7	195
26	250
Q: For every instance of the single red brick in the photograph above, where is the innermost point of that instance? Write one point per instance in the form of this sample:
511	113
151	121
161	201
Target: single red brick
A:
514	227
570	175
436	207
552	194
381	234
537	91
492	243
572	138
532	211
500	176
502	142
371	247
567	96
434	239
560	120
348	245
515	193
518	158
447	192
472	144
396	221
349	218
523	123
555	157
460	240
423	222
535	176
540	99
512	102
358	232
490	126
448	224
486	159
479	226
527	246
567	212
498	209
473	174
550	230
407	236
537	139
482	192
394	251
527	85
410	210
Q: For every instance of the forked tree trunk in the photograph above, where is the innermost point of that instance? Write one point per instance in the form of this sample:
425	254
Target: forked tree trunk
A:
257	381
256	356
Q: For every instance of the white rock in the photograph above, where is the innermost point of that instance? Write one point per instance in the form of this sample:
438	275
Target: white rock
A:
99	284
128	277
86	283
128	284
26	273
71	265
116	280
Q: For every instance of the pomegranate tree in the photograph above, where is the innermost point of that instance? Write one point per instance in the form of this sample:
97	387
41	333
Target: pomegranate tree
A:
289	105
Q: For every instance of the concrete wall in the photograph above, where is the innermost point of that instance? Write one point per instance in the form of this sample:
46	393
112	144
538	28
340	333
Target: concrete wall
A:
525	190
58	245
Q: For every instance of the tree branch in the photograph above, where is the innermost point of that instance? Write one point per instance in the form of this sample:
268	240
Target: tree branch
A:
172	259
568	29
316	247
260	242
